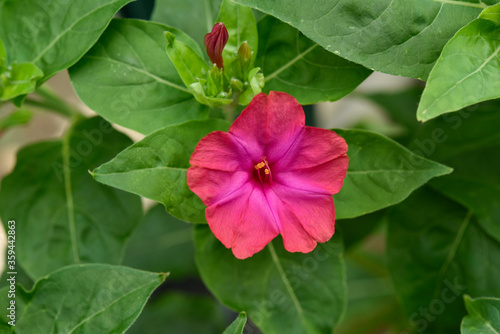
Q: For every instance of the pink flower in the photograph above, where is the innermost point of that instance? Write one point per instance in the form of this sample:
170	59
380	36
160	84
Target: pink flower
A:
215	42
269	175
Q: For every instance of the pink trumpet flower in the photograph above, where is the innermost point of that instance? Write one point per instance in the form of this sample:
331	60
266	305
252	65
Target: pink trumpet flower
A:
269	175
215	42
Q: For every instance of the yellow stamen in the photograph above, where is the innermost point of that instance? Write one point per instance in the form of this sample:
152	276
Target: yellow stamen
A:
266	171
259	165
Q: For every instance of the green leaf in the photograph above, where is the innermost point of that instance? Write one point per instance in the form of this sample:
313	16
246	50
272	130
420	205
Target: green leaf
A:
195	17
241	26
162	243
381	173
3	57
467	70
238	325
53	34
156	168
189	64
282	292
128	79
294	64
179	313
85	299
18	117
469	142
484	316
19	79
401	37
436	252
62	215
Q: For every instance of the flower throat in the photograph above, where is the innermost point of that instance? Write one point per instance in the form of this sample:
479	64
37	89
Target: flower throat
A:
263	172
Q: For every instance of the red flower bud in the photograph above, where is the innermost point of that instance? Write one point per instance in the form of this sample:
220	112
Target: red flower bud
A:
215	42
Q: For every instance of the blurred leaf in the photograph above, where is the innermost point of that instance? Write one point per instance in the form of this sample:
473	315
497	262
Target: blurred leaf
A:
484	316
128	78
436	252
53	34
238	325
194	17
177	313
18	117
401	108
62	215
401	37
162	243
156	168
294	64
19	79
90	298
468	141
281	292
381	173
356	229
467	70
241	27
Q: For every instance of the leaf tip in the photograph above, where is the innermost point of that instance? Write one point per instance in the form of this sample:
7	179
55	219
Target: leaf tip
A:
170	37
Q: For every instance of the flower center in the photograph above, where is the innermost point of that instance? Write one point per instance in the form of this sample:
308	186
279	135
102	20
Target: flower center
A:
262	172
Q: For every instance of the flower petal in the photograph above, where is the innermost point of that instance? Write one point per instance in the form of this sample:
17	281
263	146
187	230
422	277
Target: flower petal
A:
326	178
307	218
269	125
314	147
214	185
220	150
243	221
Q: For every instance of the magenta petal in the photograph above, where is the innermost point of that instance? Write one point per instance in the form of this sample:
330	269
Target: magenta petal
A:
243	221
269	125
314	147
219	150
307	218
326	178
214	185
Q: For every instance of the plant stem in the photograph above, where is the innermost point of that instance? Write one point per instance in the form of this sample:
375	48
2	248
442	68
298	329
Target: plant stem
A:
52	102
230	108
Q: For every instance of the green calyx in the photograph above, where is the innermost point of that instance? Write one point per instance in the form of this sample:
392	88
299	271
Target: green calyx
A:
211	85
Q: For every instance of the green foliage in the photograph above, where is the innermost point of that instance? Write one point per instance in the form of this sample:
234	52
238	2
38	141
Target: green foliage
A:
195	17
381	173
162	243
18	79
71	218
18	117
53	34
156	168
437	251
469	142
129	64
281	292
178	313
467	70
402	37
484	316
86	298
294	64
241	27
